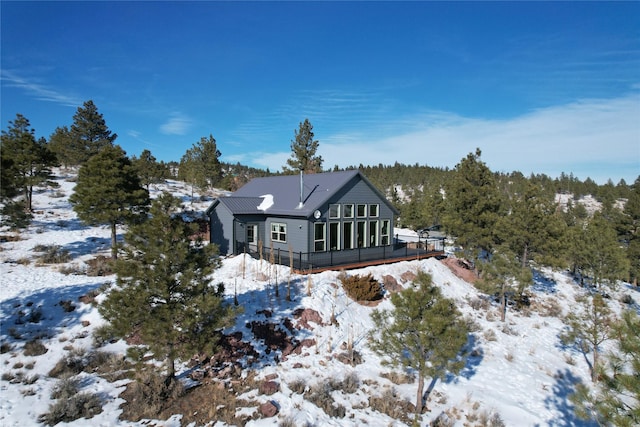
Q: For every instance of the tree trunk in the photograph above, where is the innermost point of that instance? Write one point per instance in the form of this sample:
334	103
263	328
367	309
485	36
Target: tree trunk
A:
114	242
594	368
420	395
525	255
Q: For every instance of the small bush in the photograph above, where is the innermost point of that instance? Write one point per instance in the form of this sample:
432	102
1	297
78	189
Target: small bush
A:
348	384
82	405
5	347
100	266
65	388
490	335
71	364
24	261
398	378
298	386
320	395
391	404
34	348
361	288
53	254
149	394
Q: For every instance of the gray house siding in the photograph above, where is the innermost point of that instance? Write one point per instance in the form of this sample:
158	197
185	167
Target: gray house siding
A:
221	231
297	234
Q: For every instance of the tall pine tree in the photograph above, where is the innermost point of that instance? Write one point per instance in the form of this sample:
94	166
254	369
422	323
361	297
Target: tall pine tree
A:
303	151
473	206
164	293
109	191
26	162
88	134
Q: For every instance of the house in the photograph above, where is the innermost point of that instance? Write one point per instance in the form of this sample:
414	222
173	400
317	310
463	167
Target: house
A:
310	221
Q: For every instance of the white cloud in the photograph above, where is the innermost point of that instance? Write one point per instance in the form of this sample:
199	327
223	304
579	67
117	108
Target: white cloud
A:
39	91
177	124
592	138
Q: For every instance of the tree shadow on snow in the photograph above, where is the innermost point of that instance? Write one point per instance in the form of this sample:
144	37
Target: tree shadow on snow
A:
543	284
474	357
90	245
559	401
45	313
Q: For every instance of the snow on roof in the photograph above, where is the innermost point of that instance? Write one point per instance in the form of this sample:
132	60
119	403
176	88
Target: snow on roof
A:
267	202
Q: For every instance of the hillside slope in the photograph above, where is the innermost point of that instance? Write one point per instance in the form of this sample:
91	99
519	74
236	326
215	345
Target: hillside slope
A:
518	372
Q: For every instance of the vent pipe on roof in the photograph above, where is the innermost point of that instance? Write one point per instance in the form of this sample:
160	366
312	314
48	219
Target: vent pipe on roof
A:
301	204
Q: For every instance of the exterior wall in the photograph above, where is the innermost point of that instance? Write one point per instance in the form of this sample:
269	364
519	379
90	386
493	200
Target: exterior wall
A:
297	234
221	223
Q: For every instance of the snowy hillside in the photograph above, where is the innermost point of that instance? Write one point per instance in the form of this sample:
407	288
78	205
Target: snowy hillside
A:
517	372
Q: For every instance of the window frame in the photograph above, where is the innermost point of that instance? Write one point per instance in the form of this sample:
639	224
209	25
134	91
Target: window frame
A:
334	211
348	210
323	241
374	210
279	232
362	206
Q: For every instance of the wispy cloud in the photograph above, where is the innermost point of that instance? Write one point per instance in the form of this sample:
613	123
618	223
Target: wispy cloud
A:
177	124
599	139
37	90
596	138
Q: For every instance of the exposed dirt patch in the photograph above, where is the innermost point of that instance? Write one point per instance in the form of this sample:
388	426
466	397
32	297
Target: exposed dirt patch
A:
461	268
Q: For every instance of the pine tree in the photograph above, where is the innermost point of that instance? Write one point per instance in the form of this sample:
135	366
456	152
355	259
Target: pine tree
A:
505	277
60	143
200	165
473	206
424	332
164	293
590	327
303	152
89	134
631	230
149	170
26	162
108	191
532	229
600	255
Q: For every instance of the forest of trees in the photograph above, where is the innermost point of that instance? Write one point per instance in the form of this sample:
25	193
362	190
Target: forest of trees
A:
505	224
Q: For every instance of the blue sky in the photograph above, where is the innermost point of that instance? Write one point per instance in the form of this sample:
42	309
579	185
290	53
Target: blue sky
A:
539	87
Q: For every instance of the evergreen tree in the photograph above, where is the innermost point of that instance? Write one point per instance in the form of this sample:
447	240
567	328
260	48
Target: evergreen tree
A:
149	170
532	229
505	277
473	206
108	191
164	293
26	162
200	165
600	255
630	228
89	134
424	332
589	327
615	399
303	152
60	143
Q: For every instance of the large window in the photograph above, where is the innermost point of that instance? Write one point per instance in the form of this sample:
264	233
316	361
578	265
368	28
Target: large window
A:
334	236
361	211
334	211
373	233
278	232
347	233
319	236
384	232
373	211
348	211
361	234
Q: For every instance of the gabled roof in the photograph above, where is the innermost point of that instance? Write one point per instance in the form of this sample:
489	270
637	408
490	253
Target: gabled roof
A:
285	189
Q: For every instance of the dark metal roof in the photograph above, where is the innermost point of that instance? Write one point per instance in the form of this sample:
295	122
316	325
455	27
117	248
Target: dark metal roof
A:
285	189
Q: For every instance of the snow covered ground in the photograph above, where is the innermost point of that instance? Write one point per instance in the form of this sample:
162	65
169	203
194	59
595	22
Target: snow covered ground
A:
517	369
